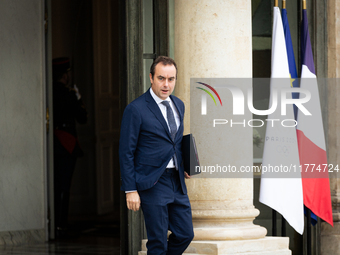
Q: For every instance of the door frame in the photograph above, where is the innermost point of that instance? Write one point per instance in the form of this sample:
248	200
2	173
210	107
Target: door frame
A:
131	86
49	197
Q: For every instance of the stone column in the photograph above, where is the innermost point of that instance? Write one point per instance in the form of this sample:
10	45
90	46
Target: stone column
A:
330	236
213	39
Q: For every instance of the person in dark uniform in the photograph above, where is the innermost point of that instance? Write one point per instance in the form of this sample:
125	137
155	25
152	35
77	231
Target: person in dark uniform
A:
68	108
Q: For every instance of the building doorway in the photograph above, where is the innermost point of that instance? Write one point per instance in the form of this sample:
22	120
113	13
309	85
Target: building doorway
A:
87	32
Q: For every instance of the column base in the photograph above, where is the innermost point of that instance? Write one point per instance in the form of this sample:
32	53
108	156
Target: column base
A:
222	225
263	246
226	234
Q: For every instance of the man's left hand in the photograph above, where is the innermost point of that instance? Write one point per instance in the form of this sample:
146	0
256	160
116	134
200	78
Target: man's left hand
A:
186	175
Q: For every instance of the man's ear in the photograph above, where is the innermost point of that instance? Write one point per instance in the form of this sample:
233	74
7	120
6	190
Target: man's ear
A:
151	80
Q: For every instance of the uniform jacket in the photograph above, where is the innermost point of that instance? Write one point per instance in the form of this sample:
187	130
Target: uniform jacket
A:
67	109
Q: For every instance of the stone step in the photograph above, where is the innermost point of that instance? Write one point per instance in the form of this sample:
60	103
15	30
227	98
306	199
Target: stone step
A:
144	253
144	244
263	246
256	253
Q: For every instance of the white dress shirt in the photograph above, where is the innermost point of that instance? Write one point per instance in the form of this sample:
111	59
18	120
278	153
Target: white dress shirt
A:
162	107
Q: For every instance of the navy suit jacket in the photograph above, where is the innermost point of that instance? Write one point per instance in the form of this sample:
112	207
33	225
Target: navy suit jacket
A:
145	146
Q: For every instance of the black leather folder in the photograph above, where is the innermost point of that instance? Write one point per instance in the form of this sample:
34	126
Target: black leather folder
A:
190	155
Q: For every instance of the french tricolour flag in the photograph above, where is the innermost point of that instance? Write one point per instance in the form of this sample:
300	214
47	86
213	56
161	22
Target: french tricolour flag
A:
280	149
311	139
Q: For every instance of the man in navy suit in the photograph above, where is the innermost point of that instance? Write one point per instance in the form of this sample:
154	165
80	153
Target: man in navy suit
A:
151	164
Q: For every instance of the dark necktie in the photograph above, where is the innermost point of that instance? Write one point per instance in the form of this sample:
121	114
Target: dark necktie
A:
171	119
172	124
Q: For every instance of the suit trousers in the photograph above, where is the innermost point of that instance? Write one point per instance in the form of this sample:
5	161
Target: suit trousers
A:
165	207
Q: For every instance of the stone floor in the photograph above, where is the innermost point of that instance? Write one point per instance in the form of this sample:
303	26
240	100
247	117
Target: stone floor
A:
88	237
62	248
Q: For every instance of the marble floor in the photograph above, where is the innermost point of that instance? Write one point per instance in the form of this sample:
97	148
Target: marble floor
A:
90	237
62	248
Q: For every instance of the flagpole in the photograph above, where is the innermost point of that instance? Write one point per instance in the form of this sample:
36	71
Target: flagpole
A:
274	224
309	233
283	222
274	228
283	227
309	220
274	219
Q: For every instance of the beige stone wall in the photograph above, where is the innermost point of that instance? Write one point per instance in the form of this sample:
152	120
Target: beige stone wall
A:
22	117
330	236
333	24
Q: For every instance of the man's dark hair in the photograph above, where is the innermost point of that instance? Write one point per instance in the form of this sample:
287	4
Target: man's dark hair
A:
165	61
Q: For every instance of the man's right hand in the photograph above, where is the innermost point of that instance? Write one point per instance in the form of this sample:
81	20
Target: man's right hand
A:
133	201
